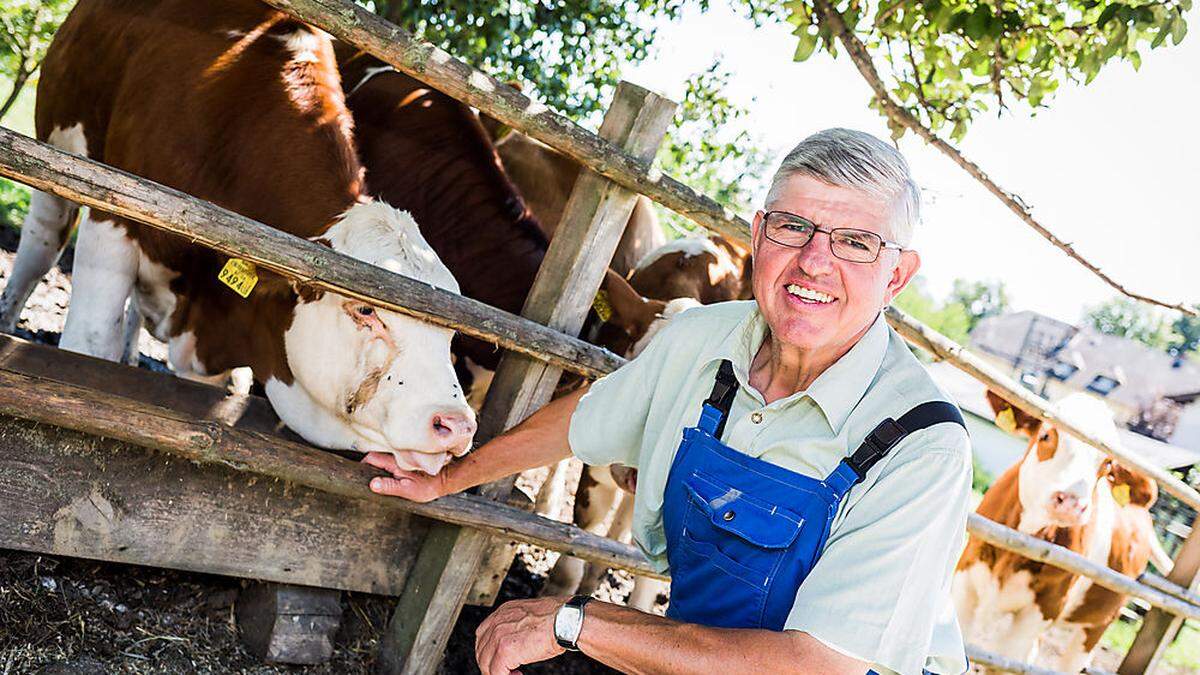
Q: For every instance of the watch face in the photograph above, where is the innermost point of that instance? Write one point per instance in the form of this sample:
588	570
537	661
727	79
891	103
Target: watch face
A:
567	624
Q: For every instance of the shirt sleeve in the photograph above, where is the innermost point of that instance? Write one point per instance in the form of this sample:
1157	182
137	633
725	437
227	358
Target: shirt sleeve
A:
609	423
882	585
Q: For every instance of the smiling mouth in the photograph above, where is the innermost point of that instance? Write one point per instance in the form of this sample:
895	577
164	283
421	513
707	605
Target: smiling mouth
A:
809	296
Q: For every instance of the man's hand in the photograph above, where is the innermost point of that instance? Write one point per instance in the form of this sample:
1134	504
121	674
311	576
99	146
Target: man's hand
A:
519	632
416	486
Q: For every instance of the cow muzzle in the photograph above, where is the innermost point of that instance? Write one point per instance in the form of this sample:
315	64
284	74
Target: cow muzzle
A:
1067	509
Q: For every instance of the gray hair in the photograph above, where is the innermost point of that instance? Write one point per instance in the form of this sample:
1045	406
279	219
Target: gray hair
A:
856	159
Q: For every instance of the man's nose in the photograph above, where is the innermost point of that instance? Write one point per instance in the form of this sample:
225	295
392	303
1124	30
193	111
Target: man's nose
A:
816	258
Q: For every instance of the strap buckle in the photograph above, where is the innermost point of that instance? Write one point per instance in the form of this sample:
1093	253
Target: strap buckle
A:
877	444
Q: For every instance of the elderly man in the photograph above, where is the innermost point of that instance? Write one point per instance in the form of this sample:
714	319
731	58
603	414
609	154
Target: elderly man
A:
800	474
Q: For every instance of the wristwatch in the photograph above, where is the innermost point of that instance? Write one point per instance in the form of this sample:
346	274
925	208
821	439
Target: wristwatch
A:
568	622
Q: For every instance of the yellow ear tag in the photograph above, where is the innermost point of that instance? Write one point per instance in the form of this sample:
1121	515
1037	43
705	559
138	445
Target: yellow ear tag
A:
1007	421
240	275
602	306
1121	494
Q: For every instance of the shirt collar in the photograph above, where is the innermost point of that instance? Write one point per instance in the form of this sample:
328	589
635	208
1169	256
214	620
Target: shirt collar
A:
837	390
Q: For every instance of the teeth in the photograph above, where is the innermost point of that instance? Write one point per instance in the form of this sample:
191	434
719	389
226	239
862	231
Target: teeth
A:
809	294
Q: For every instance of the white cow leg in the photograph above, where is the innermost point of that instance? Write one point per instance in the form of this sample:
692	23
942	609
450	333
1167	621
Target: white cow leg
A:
44	235
646	592
106	262
592	507
1062	648
131	331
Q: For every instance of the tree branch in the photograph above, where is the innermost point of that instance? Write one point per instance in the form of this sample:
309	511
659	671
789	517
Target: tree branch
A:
898	114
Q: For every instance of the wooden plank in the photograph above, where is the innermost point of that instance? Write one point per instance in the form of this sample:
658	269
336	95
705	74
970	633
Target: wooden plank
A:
584	242
1159	628
64	492
256	455
194	399
422	60
91	183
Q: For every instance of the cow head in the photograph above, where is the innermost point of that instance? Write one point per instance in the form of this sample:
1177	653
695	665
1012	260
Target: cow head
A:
1059	475
635	319
368	379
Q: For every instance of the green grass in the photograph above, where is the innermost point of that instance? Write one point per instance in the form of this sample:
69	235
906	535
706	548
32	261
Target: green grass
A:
1183	654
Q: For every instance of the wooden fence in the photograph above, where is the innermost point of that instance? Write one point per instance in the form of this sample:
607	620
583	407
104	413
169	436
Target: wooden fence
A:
621	161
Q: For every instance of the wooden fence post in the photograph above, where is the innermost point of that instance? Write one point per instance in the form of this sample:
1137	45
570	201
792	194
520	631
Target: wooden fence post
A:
1160	627
571	272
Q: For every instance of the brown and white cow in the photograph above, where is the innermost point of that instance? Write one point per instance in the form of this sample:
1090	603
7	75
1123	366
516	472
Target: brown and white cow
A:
706	269
238	104
1062	490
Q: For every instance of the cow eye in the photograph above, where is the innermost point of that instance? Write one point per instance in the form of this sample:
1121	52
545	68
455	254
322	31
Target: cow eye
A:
1045	437
365	310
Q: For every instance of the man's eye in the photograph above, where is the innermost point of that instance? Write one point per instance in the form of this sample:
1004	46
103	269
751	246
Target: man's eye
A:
796	227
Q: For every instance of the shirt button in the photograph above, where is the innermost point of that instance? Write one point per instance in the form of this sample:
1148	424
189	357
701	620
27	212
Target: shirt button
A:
756	417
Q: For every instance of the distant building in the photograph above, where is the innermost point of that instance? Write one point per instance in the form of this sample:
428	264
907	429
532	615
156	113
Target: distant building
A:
1055	358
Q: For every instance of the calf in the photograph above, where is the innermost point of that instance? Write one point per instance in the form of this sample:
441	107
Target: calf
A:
238	104
1061	491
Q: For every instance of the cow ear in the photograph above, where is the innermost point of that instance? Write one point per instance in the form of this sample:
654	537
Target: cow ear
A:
1011	418
629	309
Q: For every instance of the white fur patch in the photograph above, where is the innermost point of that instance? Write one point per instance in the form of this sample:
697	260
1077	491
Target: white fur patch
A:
303	44
673	309
156	300
688	246
376	233
106	262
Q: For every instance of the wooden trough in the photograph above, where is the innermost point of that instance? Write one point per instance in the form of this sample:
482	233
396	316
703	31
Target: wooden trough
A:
103	461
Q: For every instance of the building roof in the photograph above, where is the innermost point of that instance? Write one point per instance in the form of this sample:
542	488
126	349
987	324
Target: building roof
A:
1144	374
970	394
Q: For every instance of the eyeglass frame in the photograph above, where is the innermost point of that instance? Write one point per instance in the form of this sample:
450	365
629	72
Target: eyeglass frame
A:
883	243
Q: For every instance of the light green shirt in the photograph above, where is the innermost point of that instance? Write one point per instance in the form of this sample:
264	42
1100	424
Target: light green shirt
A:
881	589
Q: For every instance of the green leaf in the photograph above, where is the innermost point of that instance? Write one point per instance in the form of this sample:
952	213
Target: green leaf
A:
1163	32
1025	50
1178	29
1136	59
977	23
805	47
1107	15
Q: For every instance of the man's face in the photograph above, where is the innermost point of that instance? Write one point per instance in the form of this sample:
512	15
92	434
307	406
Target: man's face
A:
859	290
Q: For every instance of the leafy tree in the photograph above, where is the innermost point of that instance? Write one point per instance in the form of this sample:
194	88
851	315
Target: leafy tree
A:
980	299
950	318
703	150
1187	336
1127	318
950	60
26	28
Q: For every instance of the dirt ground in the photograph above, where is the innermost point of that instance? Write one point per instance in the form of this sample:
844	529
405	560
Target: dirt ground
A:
61	616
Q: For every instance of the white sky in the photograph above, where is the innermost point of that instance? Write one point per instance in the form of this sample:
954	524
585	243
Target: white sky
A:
1113	167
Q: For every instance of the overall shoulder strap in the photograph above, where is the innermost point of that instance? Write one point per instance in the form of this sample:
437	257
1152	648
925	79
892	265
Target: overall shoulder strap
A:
888	433
716	406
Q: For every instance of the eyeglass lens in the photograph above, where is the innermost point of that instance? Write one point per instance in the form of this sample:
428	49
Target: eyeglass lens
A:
846	243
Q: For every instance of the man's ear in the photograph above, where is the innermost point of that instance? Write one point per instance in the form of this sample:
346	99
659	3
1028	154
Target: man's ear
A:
907	264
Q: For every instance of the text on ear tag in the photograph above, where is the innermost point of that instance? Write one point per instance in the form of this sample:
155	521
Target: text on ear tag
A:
1007	420
602	306
240	275
1121	494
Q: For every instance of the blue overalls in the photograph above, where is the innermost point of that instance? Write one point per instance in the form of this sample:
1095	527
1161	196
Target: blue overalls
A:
742	533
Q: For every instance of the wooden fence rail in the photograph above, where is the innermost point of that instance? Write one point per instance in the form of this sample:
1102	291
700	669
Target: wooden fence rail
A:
97	185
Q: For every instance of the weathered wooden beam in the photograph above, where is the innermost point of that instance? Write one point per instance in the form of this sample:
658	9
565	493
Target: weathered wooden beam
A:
980	657
210	443
93	184
1044	551
65	492
1160	628
422	60
584	242
944	348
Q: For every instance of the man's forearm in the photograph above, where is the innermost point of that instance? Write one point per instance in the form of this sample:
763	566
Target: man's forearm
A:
636	642
540	440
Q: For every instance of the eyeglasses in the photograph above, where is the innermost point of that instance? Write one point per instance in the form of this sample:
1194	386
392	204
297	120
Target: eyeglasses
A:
847	243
